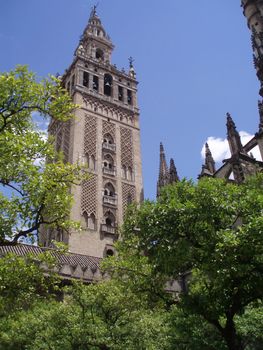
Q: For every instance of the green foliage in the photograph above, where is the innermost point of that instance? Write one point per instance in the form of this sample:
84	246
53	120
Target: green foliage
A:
22	281
215	230
32	193
107	315
212	230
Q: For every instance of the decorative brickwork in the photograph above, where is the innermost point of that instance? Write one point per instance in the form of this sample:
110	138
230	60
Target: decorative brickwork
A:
90	136
53	127
128	195
61	133
126	148
89	198
109	128
66	140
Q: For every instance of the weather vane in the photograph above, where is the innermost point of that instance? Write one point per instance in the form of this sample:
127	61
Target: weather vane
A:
131	60
94	8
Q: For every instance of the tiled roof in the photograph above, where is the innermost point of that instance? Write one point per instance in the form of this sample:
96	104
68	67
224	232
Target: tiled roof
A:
69	264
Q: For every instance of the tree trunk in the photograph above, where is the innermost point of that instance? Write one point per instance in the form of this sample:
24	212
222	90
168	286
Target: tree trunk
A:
234	342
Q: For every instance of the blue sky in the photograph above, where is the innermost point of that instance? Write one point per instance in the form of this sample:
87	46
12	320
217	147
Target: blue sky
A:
193	61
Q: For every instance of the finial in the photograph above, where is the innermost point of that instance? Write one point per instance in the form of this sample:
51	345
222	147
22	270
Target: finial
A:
161	148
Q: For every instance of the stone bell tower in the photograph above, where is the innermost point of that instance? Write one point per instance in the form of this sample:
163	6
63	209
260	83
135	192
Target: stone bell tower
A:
105	135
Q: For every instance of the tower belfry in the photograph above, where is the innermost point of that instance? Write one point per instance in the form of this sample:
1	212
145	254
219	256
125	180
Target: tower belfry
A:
105	135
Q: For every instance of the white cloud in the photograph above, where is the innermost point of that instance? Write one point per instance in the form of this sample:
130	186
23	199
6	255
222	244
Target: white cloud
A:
220	149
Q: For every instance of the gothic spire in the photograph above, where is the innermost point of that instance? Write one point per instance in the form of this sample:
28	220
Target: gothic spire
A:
233	136
209	160
208	169
163	171
173	176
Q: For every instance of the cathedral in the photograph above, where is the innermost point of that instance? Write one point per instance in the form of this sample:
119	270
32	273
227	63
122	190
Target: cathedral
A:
105	136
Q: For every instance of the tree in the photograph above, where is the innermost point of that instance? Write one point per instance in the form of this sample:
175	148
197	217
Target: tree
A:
110	315
33	192
215	230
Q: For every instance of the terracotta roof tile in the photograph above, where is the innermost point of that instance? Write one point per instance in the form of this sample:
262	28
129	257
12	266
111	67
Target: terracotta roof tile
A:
71	259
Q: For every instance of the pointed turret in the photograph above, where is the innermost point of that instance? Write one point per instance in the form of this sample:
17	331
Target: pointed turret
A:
233	136
173	176
208	169
163	171
209	160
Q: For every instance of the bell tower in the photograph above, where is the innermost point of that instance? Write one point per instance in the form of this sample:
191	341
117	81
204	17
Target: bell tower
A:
105	135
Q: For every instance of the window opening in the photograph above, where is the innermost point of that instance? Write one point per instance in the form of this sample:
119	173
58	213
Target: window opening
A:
109	252
95	83
108	222
109	190
120	93
129	97
124	172
107	84
99	53
92	163
72	81
129	199
129	173
90	220
85	79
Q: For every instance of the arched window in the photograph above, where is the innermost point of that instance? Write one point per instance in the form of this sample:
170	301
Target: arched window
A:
109	190
129	199
92	163
107	84
124	172
108	162
99	54
129	173
90	220
109	252
108	139
109	219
